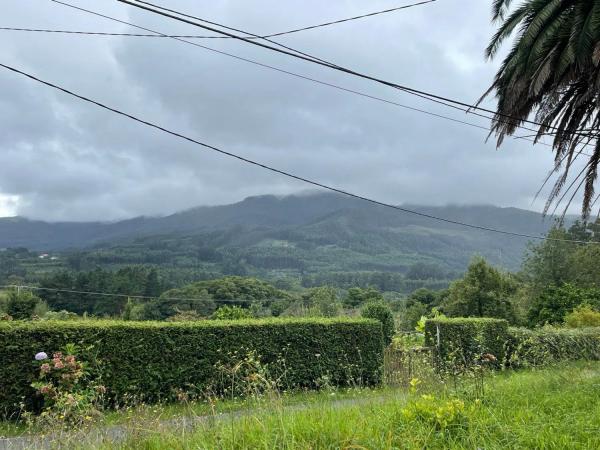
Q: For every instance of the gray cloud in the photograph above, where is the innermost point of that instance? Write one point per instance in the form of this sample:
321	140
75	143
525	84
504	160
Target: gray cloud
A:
63	159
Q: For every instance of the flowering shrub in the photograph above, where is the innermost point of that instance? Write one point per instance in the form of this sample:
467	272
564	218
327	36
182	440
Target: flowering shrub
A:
69	395
40	356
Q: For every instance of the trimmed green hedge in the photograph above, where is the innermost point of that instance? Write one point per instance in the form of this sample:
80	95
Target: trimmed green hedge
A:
151	360
462	341
549	345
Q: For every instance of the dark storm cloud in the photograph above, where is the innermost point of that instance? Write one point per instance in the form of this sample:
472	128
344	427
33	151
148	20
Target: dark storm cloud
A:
63	159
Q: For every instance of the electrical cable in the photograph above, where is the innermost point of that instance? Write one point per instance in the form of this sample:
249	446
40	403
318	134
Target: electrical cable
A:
283	172
166	12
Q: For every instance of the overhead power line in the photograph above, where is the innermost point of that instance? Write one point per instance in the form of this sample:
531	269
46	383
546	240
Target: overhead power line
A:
280	171
304	77
185	18
107	33
284	47
192	36
109	294
335	22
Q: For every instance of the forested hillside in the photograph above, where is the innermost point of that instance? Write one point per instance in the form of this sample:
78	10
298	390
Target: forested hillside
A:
320	238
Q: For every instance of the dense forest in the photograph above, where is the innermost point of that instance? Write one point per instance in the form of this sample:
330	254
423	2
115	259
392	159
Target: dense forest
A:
556	277
294	243
271	237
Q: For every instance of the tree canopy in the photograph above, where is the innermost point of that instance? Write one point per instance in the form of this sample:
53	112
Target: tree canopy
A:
552	72
483	292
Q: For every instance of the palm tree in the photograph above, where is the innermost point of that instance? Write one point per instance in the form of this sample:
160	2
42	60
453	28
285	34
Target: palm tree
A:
553	72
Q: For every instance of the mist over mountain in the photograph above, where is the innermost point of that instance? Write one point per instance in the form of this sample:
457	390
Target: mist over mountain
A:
302	231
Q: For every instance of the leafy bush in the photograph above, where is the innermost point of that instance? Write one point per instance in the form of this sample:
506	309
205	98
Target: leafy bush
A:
383	313
174	302
484	291
185	316
583	316
441	415
61	315
554	303
21	305
462	341
231	313
324	299
201	296
549	345
410	316
150	361
357	296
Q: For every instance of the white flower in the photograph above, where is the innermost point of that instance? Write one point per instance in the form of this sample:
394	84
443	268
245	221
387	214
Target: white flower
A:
41	356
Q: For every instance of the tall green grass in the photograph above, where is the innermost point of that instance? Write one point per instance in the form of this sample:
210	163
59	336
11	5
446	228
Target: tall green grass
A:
554	408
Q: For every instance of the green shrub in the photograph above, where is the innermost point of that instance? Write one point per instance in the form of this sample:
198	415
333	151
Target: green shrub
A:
462	341
383	313
583	316
357	296
549	345
555	302
61	315
325	300
151	361
441	415
21	305
234	312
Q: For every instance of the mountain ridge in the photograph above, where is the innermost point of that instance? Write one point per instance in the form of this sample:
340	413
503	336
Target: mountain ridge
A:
317	220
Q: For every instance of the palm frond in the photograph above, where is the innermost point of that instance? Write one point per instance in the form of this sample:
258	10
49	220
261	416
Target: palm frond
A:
552	71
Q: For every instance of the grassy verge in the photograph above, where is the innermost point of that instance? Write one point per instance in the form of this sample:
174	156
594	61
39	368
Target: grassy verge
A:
147	416
550	408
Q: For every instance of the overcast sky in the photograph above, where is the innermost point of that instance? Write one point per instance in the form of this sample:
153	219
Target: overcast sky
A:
61	159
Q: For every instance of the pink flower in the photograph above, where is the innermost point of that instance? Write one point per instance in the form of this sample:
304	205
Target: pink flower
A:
45	368
44	389
58	364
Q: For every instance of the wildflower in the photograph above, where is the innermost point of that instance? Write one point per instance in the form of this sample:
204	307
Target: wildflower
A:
45	389
41	356
45	368
58	364
415	382
57	355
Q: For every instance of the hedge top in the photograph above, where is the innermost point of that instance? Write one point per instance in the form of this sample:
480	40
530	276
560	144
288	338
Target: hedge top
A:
99	323
467	320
